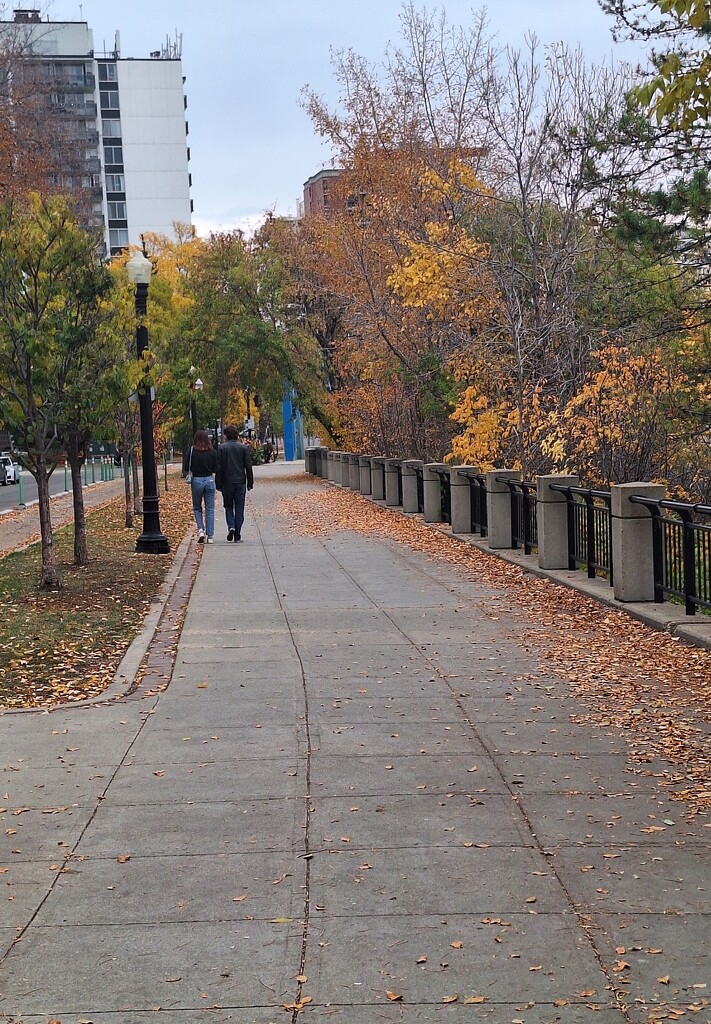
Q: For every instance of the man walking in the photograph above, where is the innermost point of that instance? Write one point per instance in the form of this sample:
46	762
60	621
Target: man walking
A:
234	478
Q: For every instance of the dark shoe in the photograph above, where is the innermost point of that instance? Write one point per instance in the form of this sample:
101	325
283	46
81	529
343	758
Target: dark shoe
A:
201	537
230	534
238	540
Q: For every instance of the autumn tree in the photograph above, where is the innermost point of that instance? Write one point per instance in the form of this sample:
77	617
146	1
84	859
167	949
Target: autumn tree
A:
405	133
52	282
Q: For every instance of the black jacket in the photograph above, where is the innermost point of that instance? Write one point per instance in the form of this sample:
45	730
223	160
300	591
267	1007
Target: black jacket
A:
202	464
235	465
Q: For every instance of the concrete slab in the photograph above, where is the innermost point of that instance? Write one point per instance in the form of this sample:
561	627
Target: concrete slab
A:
561	737
637	878
530	958
396	822
641	936
225	888
481	882
596	819
130	969
332	775
34	835
390	739
572	774
169	743
188	781
120	830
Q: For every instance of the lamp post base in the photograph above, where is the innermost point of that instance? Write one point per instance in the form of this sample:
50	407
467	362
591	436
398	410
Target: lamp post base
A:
153	544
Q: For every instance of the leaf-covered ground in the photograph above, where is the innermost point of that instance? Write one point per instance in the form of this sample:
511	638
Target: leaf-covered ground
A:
60	646
626	675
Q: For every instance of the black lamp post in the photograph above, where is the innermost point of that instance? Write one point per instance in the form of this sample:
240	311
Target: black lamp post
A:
151	541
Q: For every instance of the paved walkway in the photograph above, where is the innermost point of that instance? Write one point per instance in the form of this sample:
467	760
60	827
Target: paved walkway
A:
355	801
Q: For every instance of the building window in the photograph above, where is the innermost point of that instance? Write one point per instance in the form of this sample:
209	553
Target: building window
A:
111	128
115	183
109	100
113	154
118	238
117	211
107	72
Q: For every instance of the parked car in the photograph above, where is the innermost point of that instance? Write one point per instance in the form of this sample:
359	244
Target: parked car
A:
9	470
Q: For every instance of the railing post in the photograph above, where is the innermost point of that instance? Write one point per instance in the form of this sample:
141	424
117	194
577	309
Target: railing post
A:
498	507
409	485
323	464
377	478
433	491
354	472
364	472
553	539
632	548
461	499
392	496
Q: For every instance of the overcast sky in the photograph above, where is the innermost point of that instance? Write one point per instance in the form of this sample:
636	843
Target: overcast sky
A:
246	62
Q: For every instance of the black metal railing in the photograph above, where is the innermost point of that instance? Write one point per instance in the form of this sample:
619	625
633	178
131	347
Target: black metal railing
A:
681	547
524	517
477	501
396	464
420	479
445	494
589	530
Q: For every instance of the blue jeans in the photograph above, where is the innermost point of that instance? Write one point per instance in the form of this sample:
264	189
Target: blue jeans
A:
233	496
203	488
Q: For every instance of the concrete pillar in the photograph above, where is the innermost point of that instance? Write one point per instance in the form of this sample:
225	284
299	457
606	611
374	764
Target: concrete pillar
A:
354	473
498	507
331	466
392	496
364	470
632	554
433	491
308	460
377	478
461	491
552	515
322	464
409	484
341	464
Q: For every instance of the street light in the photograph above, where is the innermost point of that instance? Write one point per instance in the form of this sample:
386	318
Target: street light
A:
151	541
196	386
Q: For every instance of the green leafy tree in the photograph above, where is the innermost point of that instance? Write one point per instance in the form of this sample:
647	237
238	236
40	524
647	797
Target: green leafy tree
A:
52	282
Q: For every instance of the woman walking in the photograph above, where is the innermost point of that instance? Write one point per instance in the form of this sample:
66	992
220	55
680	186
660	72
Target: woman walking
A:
201	462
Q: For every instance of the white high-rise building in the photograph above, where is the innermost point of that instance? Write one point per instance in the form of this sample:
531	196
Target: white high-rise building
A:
126	119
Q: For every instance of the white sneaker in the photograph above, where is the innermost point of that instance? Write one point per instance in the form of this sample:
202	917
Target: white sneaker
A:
201	536
209	540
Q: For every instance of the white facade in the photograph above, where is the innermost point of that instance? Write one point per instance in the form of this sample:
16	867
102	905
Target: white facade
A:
155	152
134	138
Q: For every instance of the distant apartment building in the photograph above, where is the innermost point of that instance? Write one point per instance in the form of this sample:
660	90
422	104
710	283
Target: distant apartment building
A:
317	192
120	124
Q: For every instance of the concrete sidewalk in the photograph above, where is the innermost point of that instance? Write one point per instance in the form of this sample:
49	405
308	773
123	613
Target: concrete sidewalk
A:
356	800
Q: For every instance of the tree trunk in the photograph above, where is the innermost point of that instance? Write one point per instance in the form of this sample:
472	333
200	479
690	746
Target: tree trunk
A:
137	503
127	462
49	576
81	551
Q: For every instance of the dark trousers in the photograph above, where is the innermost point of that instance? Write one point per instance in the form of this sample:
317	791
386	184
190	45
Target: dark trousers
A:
233	496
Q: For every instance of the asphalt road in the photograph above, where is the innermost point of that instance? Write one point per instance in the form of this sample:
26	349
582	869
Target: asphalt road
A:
10	494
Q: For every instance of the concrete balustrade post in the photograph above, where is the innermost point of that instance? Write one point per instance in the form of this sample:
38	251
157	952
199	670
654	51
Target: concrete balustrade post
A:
331	466
309	460
338	478
377	478
409	484
392	495
433	491
632	552
498	507
354	473
364	469
322	465
461	499
552	515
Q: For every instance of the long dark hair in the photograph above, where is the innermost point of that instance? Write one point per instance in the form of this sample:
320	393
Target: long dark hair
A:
201	441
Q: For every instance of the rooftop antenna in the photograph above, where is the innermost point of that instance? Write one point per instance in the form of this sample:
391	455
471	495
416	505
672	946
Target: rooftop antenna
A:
81	12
